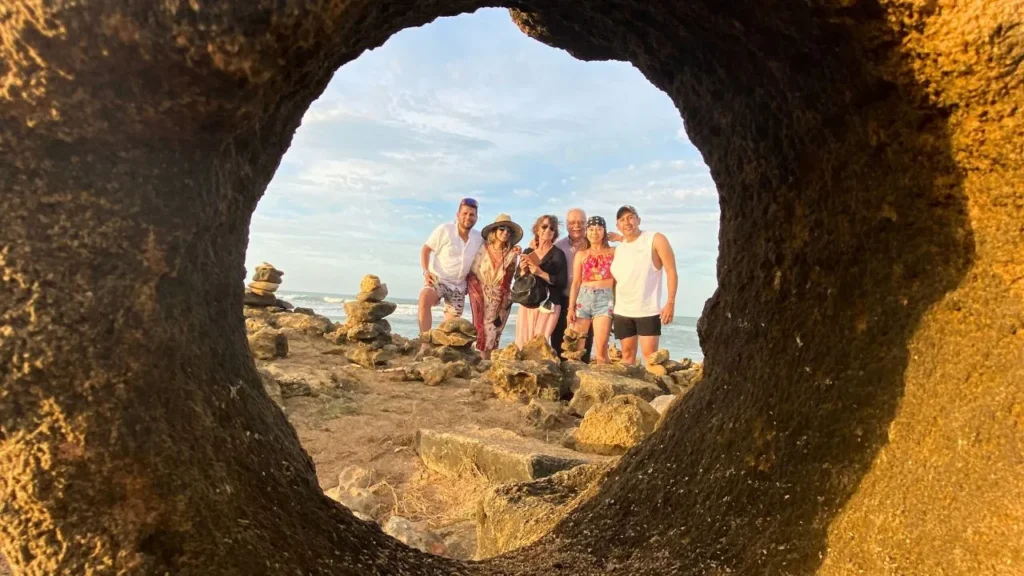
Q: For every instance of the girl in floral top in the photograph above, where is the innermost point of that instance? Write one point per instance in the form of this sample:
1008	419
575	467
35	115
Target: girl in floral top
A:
591	296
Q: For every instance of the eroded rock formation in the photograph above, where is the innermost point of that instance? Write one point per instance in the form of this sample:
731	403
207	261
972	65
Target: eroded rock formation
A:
861	402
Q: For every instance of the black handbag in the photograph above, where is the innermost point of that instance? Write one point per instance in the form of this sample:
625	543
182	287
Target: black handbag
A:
529	291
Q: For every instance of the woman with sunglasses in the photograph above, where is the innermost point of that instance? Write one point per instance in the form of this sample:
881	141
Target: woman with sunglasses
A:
547	263
591	296
490	280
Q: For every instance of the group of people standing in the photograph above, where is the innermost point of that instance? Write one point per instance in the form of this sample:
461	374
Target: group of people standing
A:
592	286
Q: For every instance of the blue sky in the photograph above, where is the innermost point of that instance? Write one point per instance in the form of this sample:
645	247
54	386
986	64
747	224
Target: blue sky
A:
471	106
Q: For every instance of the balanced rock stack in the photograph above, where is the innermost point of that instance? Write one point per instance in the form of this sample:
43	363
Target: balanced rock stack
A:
571	349
453	341
366	326
265	282
678	376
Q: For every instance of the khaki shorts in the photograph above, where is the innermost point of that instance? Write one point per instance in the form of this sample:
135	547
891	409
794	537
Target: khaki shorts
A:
454	301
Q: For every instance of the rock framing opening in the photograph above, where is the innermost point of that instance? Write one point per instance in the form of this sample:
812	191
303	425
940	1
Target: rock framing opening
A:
862	409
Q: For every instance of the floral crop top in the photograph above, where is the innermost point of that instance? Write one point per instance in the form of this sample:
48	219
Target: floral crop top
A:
597	268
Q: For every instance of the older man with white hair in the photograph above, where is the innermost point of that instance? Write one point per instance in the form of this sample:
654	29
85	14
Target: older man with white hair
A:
574	241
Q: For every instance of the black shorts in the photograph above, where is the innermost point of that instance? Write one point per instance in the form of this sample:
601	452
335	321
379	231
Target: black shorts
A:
626	327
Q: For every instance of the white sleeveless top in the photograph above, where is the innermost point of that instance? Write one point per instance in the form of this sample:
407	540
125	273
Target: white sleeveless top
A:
637	281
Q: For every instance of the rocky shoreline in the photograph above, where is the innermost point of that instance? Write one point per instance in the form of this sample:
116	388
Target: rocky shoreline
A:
446	452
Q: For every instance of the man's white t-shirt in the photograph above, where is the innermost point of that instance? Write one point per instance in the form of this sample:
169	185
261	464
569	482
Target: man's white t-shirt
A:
452	257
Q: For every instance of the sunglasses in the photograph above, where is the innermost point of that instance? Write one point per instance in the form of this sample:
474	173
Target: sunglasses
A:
503	229
471	202
545	227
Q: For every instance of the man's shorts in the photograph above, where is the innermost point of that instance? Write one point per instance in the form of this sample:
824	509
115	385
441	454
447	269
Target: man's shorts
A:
593	302
626	327
454	301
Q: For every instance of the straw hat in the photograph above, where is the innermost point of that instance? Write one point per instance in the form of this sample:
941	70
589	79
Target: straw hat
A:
504	220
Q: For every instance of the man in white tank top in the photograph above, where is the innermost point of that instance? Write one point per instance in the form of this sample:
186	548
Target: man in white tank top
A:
639	261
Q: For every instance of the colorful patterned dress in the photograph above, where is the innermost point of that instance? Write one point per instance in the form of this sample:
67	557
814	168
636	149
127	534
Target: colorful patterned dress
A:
490	296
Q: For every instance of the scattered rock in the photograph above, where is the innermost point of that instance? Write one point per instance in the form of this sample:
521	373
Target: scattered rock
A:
431	371
546	414
662	403
658	357
272	387
366	356
538	349
657	369
268	343
306	311
524	379
414	535
512	516
599	386
359	491
614	354
368	311
292	387
303	324
498	454
459	539
615	426
508	353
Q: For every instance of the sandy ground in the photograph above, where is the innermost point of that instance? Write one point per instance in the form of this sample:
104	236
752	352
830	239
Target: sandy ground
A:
369	419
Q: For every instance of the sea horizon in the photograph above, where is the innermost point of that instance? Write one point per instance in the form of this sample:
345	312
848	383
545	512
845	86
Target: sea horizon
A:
679	338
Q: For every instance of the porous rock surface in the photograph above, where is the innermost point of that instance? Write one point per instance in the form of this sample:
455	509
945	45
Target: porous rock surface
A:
861	400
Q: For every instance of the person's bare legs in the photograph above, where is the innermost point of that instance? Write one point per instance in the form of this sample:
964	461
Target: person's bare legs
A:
648	346
629	350
428	299
602	332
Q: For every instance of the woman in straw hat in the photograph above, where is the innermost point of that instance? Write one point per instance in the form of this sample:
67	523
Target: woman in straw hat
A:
490	280
547	263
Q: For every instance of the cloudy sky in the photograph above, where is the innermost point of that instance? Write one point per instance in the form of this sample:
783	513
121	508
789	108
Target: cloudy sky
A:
470	106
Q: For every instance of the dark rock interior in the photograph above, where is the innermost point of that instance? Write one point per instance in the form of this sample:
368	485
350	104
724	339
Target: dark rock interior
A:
862	410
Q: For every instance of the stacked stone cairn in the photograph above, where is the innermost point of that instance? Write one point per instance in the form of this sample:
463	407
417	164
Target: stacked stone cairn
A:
366	327
265	282
531	372
677	377
451	353
571	347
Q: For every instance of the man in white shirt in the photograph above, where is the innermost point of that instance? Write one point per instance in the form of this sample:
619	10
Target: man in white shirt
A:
446	258
637	268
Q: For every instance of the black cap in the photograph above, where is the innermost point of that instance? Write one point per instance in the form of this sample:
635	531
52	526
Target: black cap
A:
622	211
596	221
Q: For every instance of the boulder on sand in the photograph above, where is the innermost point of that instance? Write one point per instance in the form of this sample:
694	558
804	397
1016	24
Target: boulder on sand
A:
303	324
615	426
268	343
538	349
599	386
524	379
366	356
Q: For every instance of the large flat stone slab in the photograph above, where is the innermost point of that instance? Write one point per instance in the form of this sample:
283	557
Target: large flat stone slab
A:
597	386
500	455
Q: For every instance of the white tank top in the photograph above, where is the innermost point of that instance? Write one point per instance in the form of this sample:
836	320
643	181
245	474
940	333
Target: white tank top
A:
637	281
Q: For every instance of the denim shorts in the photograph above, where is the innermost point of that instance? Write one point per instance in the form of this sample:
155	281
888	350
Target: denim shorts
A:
593	302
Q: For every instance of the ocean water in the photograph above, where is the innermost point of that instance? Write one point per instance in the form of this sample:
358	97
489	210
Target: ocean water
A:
679	338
